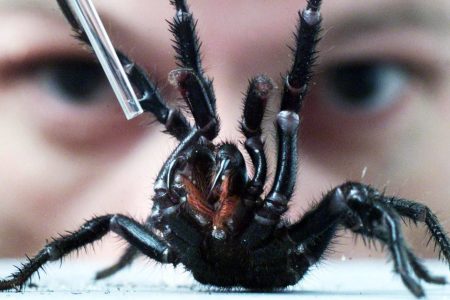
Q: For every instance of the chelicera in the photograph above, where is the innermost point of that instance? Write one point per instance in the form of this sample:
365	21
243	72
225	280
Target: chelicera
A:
212	217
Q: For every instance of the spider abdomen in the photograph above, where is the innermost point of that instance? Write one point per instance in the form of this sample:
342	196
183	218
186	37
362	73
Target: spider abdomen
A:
228	264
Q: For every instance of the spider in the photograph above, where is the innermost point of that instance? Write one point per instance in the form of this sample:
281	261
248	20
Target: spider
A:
210	216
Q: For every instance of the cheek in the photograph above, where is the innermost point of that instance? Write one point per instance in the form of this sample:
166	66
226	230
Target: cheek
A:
56	157
442	94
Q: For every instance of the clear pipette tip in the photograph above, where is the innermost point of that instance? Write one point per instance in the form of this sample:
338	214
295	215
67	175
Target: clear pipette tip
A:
89	20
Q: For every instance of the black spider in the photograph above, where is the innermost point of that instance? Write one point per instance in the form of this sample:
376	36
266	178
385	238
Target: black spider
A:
210	217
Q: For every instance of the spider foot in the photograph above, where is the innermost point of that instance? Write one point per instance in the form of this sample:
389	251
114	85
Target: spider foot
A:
18	280
108	272
421	271
11	284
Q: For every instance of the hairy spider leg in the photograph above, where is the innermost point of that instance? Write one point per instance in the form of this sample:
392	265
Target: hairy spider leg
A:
151	100
295	88
196	89
366	212
134	233
418	212
258	93
422	271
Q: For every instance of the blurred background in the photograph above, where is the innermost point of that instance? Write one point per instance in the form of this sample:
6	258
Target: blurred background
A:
378	110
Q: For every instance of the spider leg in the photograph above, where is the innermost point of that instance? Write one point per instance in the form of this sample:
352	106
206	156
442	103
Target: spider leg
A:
125	260
183	236
134	233
364	211
399	251
151	100
287	123
420	213
196	89
422	272
258	92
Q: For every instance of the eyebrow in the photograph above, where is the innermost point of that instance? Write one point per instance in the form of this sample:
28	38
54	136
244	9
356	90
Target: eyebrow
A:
51	9
42	6
399	15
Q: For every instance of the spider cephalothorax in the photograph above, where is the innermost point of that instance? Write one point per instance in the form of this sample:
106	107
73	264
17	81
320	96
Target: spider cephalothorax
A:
211	216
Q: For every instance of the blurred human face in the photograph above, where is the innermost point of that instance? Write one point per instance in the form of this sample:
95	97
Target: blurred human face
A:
68	153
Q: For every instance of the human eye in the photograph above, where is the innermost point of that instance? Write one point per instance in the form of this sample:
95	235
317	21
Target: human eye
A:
365	87
71	80
56	87
65	95
375	90
360	95
376	76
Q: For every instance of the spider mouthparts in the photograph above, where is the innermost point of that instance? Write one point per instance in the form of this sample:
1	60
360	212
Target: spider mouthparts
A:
219	175
218	234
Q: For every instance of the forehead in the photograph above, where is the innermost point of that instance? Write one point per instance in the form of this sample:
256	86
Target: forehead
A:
239	12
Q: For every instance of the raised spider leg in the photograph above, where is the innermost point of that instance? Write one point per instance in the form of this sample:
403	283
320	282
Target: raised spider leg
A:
287	123
258	93
134	233
364	211
151	100
196	89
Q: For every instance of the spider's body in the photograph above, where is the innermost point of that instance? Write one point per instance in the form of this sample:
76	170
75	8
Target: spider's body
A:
211	216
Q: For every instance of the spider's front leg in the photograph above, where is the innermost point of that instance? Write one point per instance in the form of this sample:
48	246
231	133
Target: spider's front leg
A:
150	98
295	88
194	86
369	213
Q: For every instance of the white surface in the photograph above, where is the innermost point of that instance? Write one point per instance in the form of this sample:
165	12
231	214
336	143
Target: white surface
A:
332	280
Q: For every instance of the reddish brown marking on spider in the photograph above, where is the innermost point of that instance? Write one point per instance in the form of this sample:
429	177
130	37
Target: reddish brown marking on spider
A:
227	206
196	199
224	208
